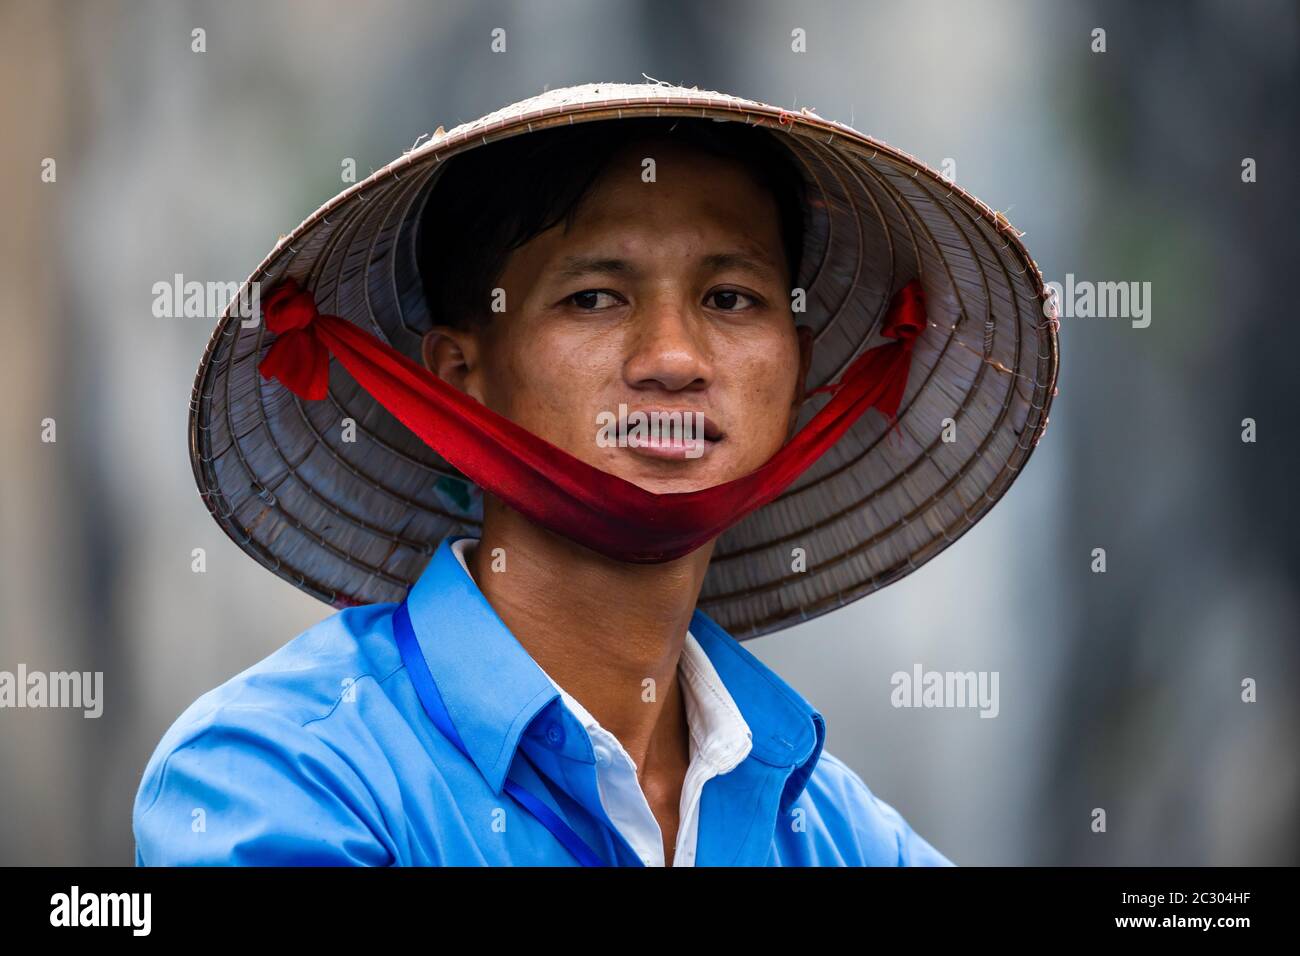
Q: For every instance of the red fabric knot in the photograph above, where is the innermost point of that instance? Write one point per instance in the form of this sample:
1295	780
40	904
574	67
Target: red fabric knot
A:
886	366
297	357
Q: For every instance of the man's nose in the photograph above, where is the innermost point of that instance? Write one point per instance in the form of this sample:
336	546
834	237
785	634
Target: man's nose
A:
669	348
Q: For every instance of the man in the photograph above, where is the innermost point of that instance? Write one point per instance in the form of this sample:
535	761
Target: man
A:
548	692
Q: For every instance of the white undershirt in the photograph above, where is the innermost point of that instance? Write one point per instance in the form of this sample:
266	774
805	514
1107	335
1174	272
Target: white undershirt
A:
719	740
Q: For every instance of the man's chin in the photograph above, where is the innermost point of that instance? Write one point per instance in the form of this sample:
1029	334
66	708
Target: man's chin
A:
674	475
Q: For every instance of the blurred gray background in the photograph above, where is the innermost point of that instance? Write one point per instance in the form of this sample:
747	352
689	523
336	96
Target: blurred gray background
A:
1119	690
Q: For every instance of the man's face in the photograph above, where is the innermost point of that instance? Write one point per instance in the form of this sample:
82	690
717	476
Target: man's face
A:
664	296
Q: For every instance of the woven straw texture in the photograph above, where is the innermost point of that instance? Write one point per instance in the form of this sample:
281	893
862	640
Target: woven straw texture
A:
354	522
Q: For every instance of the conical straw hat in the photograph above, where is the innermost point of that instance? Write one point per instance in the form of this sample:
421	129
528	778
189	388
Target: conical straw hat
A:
352	517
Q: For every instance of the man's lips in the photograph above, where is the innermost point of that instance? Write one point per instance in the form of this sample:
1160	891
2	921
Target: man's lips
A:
672	433
692	423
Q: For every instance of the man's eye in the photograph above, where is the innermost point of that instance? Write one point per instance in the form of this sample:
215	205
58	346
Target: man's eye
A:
728	300
592	299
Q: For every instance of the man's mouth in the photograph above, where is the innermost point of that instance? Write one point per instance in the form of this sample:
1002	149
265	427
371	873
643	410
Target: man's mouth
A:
672	433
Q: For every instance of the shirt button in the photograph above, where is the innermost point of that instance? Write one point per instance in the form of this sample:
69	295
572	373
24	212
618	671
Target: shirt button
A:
554	734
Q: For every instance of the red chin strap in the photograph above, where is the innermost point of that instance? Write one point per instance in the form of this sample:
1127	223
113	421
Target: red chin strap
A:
548	485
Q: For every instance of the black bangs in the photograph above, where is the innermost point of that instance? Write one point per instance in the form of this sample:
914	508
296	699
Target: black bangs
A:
497	197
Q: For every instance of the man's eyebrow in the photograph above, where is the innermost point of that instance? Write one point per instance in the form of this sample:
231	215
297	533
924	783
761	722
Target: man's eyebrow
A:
756	265
572	267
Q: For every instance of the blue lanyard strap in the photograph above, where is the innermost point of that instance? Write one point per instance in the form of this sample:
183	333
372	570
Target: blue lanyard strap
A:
427	690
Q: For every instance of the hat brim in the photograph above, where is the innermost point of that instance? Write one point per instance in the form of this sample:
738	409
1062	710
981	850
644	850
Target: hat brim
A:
351	514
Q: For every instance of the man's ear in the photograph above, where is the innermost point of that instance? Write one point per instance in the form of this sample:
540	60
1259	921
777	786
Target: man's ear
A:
452	355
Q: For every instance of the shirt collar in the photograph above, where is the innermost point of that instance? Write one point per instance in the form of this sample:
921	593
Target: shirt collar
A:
718	730
495	692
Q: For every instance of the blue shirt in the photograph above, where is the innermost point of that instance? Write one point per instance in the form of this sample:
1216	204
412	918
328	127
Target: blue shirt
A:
322	754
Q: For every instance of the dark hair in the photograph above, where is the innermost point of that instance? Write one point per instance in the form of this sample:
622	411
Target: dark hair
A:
505	193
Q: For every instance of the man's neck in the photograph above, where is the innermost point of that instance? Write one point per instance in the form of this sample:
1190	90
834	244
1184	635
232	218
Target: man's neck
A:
609	633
